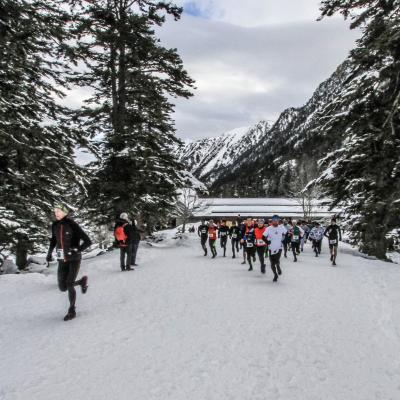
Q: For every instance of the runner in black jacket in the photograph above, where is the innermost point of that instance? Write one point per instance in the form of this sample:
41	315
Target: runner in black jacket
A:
202	231
66	238
334	234
234	234
223	232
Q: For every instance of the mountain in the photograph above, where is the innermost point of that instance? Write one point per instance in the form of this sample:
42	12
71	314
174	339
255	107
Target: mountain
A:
206	158
277	160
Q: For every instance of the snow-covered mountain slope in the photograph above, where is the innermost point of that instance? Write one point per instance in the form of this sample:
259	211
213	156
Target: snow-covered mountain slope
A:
186	327
206	157
285	158
281	158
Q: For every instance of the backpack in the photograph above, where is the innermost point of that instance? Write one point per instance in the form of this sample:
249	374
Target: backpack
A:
120	234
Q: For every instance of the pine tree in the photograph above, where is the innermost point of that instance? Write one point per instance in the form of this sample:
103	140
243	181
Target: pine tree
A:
37	167
133	78
364	173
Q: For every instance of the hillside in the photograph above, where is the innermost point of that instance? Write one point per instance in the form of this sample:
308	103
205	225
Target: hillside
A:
206	158
281	159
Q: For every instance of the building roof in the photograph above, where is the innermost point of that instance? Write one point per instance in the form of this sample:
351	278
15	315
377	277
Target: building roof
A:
260	207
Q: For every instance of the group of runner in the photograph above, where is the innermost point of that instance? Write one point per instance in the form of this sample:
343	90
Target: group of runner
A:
268	239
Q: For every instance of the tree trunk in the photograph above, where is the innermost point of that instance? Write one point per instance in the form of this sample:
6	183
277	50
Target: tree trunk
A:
21	253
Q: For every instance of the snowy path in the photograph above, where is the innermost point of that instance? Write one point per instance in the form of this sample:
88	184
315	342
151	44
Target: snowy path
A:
186	327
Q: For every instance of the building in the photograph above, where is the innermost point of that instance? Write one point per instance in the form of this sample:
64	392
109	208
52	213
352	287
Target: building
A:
230	208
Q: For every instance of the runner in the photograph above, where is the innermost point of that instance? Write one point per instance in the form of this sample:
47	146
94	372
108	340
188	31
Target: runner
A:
242	233
223	233
275	235
316	235
212	237
306	230
295	234
66	239
286	240
261	243
249	243
302	237
234	234
202	231
334	234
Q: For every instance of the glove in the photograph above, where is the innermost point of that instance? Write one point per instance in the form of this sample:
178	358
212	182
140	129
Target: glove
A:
49	258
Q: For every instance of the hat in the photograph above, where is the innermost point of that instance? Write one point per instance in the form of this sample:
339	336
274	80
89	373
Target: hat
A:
124	216
276	218
62	207
260	221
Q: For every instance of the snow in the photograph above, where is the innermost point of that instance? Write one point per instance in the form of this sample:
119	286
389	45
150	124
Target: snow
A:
261	207
183	326
206	156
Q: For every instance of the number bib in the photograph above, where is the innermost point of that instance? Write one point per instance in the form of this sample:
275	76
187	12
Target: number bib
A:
203	231
60	254
234	235
260	242
249	244
334	241
211	235
295	238
223	233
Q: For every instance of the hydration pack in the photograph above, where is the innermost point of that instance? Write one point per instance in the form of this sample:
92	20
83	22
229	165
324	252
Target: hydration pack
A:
120	234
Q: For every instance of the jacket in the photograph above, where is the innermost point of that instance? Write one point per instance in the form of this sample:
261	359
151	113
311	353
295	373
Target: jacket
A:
67	236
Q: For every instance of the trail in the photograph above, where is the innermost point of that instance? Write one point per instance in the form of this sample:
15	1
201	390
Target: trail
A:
183	326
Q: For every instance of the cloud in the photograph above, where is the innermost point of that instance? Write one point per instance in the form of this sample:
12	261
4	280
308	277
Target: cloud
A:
250	60
251	13
247	73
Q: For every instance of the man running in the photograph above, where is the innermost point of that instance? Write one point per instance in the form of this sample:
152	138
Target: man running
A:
286	240
242	233
249	243
223	232
275	235
261	243
66	239
295	234
316	235
212	237
334	234
202	231
234	234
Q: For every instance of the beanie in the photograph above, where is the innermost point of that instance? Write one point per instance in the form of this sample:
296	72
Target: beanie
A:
62	207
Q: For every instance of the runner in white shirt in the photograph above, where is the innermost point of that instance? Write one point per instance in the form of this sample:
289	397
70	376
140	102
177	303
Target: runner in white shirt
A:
275	235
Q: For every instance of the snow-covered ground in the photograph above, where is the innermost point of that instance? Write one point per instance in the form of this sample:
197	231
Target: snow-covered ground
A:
185	327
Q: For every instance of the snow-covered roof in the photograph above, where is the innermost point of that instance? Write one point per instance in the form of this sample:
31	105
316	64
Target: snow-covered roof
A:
260	207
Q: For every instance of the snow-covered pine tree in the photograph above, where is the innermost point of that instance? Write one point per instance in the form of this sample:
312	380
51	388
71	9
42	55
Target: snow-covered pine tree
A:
37	166
133	78
364	173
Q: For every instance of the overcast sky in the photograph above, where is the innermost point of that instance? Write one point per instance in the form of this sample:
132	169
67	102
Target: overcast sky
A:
251	59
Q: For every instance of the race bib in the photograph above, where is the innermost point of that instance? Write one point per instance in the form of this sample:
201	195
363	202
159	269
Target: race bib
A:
249	244
334	241
204	231
60	254
223	233
295	237
260	242
211	235
234	235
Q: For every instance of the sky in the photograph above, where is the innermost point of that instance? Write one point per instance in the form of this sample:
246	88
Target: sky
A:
251	59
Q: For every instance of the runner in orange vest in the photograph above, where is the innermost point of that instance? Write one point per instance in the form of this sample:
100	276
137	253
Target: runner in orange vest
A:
212	237
261	243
